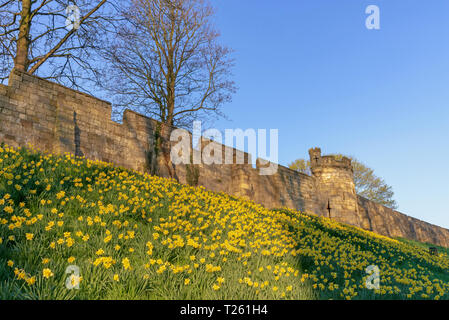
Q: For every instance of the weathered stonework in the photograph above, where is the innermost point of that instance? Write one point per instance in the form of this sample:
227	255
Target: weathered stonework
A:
335	185
57	119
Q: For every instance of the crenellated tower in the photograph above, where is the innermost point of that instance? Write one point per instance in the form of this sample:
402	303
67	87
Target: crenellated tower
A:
334	178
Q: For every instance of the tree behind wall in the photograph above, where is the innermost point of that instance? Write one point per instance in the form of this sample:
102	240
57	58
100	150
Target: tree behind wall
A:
166	62
367	184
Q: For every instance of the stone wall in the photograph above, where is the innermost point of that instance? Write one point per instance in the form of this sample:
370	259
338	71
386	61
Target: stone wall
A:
57	119
391	223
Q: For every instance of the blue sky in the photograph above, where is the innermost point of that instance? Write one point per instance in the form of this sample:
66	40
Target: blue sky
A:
311	69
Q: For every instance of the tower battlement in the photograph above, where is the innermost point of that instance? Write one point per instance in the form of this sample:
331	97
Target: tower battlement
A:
329	161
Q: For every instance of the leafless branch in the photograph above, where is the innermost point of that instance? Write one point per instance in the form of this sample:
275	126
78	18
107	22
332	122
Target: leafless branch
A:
166	62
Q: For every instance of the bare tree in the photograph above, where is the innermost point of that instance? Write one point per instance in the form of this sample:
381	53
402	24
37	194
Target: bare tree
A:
35	38
166	62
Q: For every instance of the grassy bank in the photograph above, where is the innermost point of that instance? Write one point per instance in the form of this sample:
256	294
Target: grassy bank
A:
136	236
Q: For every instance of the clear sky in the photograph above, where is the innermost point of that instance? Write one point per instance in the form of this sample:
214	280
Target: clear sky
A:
311	69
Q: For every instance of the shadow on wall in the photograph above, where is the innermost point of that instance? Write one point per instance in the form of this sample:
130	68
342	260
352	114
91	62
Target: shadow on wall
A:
142	133
293	191
77	132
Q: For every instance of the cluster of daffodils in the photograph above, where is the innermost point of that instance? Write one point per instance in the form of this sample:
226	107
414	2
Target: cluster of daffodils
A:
132	235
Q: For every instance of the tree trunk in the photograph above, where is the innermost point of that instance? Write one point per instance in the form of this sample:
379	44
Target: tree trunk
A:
21	61
166	167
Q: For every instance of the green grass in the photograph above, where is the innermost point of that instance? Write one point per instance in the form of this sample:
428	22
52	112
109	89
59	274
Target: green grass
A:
424	245
183	242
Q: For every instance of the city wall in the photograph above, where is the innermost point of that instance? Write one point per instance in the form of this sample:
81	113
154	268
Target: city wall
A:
58	119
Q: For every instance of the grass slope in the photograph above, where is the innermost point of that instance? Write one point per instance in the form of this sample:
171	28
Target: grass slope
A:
134	236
